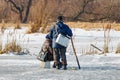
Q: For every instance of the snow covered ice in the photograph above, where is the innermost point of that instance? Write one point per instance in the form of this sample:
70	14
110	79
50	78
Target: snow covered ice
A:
28	68
93	67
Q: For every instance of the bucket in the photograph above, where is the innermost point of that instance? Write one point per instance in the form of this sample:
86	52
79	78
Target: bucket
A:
45	64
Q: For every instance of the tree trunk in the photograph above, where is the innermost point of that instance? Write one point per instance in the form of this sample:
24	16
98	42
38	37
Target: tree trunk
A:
21	17
27	11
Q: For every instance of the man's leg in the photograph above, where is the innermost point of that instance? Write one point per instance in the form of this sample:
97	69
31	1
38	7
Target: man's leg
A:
63	56
57	58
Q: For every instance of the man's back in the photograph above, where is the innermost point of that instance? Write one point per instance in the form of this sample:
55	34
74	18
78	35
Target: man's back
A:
63	29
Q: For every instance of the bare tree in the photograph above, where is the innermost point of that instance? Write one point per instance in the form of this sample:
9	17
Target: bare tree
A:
27	11
82	8
19	7
4	11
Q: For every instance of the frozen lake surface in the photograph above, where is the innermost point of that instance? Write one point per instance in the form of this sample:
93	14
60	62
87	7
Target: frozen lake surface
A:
92	68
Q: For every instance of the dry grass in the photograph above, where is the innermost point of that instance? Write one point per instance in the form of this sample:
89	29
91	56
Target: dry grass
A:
17	26
105	48
32	28
0	48
7	25
12	47
91	51
83	25
106	29
88	25
118	49
2	26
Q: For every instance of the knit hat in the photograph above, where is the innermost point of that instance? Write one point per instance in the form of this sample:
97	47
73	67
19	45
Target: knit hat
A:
60	18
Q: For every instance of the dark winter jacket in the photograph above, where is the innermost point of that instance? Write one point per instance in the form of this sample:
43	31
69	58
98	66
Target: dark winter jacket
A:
58	28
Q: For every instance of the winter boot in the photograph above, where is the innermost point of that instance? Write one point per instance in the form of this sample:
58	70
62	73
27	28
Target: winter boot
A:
58	66
54	66
64	67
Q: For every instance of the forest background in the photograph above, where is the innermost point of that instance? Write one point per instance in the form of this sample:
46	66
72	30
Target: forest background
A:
41	13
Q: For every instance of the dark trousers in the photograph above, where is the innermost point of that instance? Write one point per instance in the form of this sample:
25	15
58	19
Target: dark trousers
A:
60	55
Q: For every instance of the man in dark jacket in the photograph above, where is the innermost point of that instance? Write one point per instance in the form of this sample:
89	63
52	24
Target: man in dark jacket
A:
59	50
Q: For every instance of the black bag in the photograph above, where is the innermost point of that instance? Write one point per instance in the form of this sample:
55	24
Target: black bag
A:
45	56
42	56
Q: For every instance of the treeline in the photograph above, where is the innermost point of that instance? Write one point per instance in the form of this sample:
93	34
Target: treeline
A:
44	11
